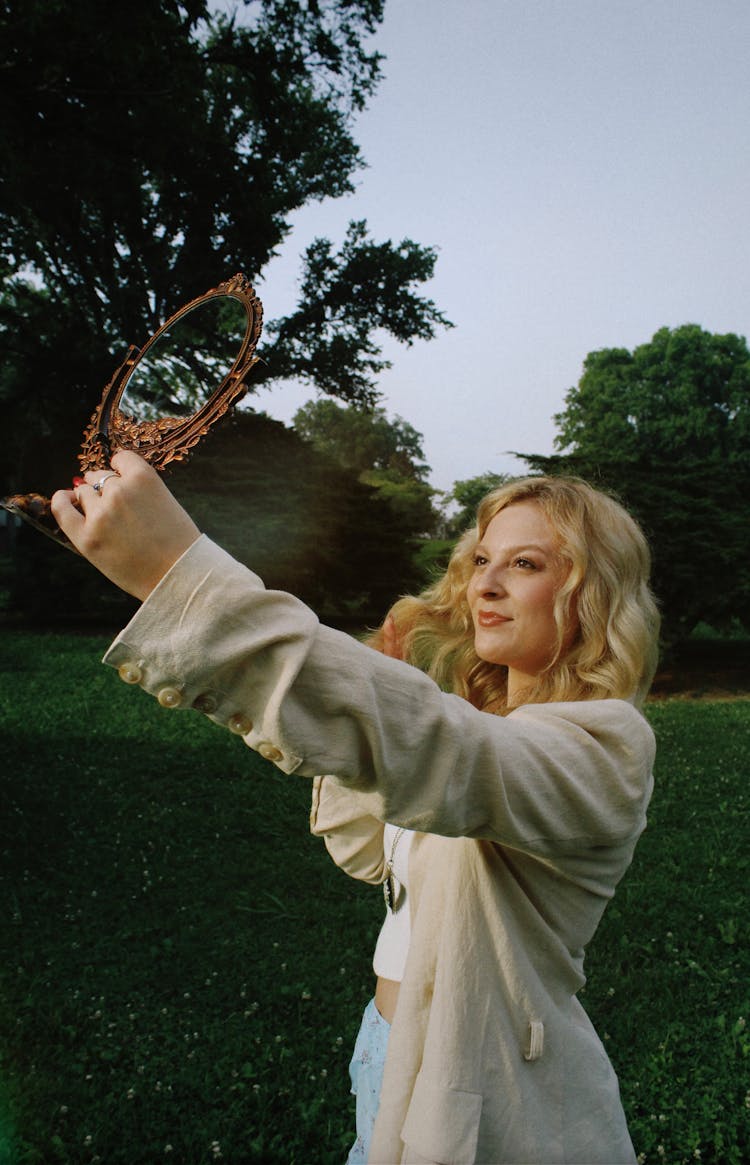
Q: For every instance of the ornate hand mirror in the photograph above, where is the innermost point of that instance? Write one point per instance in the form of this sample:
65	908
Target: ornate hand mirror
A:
165	396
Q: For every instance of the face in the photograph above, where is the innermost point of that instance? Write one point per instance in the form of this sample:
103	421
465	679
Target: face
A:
518	571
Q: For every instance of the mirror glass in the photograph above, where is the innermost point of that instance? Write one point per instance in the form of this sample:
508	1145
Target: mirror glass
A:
177	373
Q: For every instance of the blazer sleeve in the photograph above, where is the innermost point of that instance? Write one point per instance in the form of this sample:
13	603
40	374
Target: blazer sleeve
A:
545	778
353	837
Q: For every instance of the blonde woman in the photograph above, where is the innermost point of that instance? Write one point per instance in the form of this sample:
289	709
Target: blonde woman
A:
511	765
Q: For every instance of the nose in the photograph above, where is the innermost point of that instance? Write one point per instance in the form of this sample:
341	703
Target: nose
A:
491	584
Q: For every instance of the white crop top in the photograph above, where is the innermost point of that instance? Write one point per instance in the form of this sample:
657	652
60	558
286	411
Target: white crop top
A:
392	946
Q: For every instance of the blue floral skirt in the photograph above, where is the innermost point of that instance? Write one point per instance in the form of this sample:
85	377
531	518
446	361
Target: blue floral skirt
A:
366	1072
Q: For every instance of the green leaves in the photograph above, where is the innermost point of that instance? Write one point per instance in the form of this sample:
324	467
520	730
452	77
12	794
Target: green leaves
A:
467	495
152	149
345	298
686	392
384	454
361	439
667	428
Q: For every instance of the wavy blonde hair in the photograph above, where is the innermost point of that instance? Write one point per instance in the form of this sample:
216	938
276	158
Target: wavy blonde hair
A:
615	649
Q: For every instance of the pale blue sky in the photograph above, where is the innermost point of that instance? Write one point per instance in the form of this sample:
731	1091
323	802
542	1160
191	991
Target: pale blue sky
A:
583	168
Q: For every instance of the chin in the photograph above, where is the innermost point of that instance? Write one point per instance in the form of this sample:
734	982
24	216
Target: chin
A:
488	655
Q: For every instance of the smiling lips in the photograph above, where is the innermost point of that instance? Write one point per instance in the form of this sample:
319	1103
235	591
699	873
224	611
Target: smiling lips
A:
491	619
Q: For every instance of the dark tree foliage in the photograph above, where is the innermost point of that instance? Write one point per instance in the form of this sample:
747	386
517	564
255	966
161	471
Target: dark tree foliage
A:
363	439
667	428
328	340
292	514
153	148
467	495
149	146
299	519
385	454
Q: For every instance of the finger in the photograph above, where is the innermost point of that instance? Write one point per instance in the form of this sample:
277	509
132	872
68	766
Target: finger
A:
126	462
98	479
133	469
65	508
83	495
77	482
391	641
92	476
126	459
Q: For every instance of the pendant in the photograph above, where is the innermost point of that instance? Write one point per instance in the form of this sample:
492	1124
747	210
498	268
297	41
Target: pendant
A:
393	893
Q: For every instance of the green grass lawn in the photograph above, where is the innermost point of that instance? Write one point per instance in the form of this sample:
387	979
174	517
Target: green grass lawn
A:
183	969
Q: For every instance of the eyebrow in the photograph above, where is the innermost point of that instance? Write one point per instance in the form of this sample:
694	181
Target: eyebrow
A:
520	549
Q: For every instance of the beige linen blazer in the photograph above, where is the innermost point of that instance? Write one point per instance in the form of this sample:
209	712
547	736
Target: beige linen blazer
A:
528	822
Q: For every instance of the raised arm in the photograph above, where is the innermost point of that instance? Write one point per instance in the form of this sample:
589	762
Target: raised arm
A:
545	778
313	700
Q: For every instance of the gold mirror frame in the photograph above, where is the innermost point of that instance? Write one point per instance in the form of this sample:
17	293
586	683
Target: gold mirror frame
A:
165	439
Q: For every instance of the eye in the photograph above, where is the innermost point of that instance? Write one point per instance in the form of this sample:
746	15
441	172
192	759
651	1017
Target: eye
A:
524	563
479	560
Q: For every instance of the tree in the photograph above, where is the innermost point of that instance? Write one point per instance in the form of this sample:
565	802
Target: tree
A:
292	514
467	495
328	340
363	439
385	454
151	149
667	427
298	518
685	393
153	143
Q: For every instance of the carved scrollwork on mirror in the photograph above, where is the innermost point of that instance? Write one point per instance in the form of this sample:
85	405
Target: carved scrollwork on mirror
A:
165	396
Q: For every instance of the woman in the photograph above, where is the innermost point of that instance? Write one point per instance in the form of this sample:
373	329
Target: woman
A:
520	767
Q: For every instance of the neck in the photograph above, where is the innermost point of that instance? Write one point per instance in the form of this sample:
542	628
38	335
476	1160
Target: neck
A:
519	686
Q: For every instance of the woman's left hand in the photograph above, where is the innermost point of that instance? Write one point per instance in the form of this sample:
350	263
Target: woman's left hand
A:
391	639
131	529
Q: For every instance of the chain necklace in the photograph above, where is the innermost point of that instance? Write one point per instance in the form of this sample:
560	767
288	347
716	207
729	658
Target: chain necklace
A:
393	891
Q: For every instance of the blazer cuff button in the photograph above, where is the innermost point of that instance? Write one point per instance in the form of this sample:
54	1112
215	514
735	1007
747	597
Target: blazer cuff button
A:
240	724
170	697
206	703
269	751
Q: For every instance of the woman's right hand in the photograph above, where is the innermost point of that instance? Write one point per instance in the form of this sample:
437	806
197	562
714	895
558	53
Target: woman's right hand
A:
132	529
